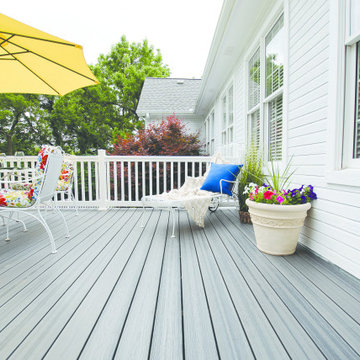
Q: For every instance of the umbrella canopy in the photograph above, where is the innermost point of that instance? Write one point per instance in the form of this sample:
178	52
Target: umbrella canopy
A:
32	61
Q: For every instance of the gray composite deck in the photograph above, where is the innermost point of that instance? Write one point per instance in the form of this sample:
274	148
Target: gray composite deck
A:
115	290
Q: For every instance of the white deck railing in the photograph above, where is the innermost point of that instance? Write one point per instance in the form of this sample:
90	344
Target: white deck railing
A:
104	181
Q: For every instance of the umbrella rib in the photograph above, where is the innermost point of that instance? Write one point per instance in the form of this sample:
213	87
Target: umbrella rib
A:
15	53
37	38
54	62
45	82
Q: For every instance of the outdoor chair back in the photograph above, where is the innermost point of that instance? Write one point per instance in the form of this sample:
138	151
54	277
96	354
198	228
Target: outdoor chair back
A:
51	175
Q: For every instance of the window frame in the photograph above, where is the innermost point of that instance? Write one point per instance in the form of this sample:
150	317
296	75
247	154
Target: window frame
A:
351	43
226	127
209	129
264	103
339	170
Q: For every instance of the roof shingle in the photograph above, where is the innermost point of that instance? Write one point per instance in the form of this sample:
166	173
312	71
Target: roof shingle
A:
168	95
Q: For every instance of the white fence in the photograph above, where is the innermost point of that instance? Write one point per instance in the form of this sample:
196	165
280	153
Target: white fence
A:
104	181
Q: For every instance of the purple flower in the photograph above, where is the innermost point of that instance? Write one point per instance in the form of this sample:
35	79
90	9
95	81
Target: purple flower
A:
280	199
303	199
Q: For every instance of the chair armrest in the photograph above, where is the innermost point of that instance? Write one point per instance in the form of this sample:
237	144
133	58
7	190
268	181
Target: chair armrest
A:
228	181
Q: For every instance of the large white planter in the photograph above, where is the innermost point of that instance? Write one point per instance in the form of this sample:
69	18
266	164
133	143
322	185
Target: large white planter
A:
277	227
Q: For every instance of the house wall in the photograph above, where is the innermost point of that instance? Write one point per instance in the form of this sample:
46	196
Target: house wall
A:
193	124
332	228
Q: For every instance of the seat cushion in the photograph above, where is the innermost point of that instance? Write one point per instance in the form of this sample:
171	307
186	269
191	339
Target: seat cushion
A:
218	172
65	177
16	198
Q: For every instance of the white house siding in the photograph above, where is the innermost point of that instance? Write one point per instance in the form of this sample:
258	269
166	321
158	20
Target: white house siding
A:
192	124
332	228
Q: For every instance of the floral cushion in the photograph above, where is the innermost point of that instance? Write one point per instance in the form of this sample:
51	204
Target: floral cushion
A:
65	177
39	171
20	186
16	198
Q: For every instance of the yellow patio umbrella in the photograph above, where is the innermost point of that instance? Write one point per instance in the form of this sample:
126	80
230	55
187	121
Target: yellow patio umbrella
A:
32	61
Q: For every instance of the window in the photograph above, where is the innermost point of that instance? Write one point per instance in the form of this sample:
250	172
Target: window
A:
223	126
254	99
351	144
212	133
274	58
209	133
356	154
265	108
227	129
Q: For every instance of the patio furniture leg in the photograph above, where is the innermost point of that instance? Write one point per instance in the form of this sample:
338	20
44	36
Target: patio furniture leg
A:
72	197
7	227
51	237
56	208
20	221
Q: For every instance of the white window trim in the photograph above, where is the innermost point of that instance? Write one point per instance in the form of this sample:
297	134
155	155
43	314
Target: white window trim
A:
281	9
226	130
209	135
336	173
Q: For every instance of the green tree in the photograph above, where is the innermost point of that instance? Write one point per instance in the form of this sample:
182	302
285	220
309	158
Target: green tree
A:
124	70
22	123
89	118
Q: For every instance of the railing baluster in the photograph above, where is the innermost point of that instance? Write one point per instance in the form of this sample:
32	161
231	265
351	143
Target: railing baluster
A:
136	181
89	181
82	181
150	178
122	181
179	174
172	175
143	178
76	184
157	177
115	180
165	179
129	180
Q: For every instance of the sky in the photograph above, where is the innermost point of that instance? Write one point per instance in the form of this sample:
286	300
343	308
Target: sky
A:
181	29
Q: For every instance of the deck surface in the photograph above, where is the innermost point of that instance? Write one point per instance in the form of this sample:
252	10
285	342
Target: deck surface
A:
115	290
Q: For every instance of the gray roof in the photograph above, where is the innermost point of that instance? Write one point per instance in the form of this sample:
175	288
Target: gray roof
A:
167	95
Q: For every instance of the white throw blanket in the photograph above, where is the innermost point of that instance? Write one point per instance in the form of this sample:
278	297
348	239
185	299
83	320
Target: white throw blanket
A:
194	200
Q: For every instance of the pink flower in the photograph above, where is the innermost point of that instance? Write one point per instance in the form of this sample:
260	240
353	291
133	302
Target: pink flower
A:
280	199
256	191
268	194
251	196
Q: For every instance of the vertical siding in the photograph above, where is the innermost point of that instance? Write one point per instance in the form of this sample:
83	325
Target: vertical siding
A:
332	228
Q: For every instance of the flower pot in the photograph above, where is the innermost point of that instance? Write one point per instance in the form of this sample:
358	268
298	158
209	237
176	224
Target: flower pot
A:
277	227
244	217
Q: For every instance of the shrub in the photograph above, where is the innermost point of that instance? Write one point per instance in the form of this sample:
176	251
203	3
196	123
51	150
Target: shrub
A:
168	138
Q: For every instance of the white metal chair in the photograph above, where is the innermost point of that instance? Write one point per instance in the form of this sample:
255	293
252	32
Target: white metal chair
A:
41	192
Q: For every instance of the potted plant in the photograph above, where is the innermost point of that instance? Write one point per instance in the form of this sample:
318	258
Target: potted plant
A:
251	173
278	214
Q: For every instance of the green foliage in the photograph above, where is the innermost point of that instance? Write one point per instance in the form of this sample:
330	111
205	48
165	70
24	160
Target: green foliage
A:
277	179
22	123
251	172
124	70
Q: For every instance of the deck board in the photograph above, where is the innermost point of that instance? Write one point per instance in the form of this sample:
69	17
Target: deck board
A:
117	290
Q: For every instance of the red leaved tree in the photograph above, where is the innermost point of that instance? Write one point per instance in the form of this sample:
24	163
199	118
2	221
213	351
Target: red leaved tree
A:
167	138
170	137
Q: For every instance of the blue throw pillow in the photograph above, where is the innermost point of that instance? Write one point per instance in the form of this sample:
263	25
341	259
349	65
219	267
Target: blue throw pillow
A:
218	172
